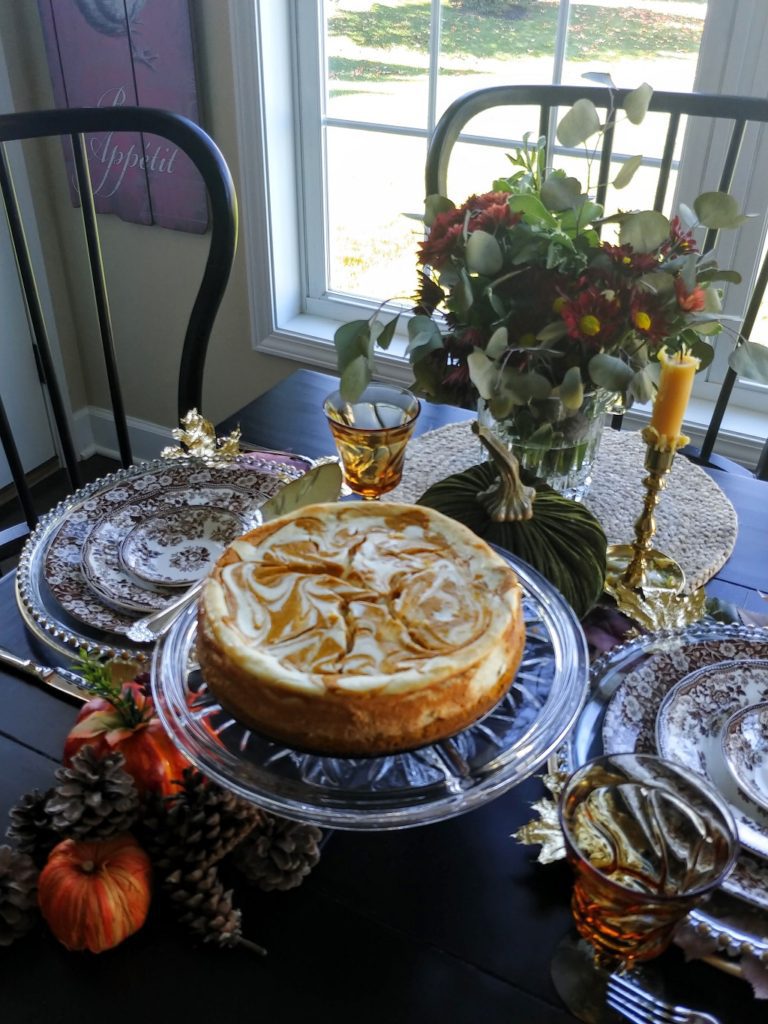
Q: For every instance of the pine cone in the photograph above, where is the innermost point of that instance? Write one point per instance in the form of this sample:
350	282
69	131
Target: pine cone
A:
202	906
279	853
195	826
31	826
95	798
18	894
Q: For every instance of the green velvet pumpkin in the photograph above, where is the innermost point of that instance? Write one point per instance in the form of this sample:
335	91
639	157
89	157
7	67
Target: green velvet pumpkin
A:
557	536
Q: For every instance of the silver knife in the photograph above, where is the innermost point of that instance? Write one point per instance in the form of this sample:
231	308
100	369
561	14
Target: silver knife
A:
58	678
321	484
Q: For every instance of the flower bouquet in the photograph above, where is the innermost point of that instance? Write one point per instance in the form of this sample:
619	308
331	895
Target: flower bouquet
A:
523	305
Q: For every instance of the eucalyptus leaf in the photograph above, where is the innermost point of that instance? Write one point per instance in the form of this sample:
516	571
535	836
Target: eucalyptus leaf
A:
385	335
501	405
552	332
706	327
542	437
610	372
644	231
601	77
525	386
532	209
355	379
750	360
352	340
700	349
716	274
641	386
627	172
572	388
497	343
658	283
483	254
434	205
561	193
713	300
483	373
579	123
718	210
636	103
423	337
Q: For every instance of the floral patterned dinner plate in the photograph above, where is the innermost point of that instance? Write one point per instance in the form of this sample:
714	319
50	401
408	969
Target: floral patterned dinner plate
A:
102	566
179	545
58	550
653	667
689	729
745	749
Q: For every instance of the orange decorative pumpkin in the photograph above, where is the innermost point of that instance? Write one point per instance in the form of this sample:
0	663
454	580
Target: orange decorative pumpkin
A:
95	894
127	722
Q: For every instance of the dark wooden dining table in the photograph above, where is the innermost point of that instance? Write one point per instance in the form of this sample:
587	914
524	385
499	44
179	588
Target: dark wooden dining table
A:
453	922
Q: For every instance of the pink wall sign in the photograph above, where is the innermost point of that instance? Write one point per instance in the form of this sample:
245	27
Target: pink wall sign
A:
129	53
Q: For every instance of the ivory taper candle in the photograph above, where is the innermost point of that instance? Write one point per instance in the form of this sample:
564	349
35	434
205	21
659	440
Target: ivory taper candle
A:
675	384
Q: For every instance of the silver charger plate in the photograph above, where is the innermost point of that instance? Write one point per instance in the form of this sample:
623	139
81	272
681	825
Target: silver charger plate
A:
689	727
734	917
398	791
43	614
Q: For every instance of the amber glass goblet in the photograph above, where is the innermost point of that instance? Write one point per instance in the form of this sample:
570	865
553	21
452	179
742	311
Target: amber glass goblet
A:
371	435
647	840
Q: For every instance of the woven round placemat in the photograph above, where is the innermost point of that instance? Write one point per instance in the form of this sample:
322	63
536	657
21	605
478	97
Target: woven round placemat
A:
695	522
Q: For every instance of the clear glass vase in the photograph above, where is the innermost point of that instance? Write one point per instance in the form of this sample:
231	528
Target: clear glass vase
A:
554	443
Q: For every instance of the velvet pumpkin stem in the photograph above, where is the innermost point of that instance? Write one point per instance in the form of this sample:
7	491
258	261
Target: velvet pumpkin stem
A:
507	500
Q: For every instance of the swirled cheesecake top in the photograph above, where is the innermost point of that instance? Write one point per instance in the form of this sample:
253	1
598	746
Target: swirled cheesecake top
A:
359	596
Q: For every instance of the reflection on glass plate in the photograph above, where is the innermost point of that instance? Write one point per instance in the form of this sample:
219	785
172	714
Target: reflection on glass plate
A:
397	791
627	687
745	749
689	727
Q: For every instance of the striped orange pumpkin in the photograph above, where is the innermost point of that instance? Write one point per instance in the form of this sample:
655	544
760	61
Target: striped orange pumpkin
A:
95	894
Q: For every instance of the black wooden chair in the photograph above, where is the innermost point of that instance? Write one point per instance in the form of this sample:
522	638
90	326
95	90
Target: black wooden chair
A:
73	125
735	113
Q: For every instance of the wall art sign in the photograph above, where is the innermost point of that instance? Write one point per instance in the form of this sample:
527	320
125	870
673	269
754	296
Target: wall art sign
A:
129	53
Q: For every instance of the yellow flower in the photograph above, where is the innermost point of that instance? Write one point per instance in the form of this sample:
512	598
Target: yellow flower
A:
589	325
642	320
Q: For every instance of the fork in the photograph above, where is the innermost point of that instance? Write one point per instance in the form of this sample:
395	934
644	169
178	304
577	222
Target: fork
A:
640	1007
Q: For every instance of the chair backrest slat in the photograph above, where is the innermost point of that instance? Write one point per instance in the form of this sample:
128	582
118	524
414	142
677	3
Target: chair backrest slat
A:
72	126
99	284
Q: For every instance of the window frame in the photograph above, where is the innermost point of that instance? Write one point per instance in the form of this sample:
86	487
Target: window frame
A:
279	115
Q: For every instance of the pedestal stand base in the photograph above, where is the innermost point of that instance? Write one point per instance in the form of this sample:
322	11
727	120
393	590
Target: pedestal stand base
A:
661	573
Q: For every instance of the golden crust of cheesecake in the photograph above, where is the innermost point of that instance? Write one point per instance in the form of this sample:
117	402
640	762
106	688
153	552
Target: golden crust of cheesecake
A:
359	629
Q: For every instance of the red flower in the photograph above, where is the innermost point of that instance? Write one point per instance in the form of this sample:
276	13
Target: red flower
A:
593	316
682	241
487	212
691	302
626	258
647	317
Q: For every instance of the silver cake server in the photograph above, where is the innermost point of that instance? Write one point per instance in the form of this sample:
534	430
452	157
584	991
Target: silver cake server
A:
58	678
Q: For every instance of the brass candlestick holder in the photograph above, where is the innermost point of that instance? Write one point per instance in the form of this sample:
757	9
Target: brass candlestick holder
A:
638	576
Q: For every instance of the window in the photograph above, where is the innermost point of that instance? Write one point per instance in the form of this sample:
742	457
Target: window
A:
351	90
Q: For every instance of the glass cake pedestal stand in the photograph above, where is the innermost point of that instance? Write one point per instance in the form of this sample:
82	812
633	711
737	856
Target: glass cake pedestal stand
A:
398	791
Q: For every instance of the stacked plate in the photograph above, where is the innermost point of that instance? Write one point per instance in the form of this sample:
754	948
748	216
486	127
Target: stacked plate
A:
698	697
127	545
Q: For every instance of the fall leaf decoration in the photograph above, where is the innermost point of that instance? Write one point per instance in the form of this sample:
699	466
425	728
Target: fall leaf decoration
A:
197	437
546	830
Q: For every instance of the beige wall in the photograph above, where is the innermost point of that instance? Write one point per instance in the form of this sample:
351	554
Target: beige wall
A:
153	273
